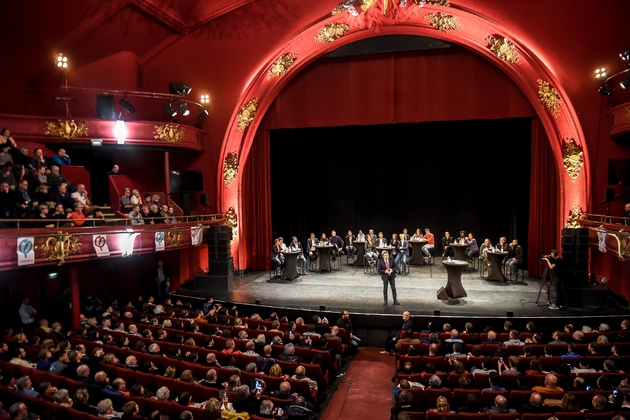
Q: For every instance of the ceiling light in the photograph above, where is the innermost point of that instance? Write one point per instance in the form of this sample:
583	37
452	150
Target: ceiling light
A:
599	73
625	83
169	108
603	89
182	109
120	132
180	88
62	61
625	56
203	114
124	102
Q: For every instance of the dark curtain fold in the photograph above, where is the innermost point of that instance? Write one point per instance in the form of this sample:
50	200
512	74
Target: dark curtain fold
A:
543	201
256	195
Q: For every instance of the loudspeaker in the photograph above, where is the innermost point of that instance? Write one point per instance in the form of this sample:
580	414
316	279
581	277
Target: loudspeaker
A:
575	249
105	107
610	195
220	275
441	294
203	199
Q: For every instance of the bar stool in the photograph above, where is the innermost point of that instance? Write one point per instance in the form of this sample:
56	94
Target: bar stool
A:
369	269
276	271
313	265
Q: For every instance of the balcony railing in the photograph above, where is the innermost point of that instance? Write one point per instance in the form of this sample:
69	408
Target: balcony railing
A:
27	246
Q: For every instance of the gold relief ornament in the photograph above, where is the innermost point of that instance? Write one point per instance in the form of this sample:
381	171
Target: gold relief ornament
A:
627	109
623	244
60	247
169	133
66	129
173	238
573	158
281	65
549	97
575	215
503	48
247	113
230	220
332	32
443	22
230	169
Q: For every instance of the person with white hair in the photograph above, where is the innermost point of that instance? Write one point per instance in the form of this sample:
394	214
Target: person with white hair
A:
106	409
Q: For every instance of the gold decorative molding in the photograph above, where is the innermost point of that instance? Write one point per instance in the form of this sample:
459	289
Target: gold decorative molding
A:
575	215
503	48
281	65
444	3
549	97
66	129
60	247
627	109
338	9
172	238
230	169
573	158
247	113
231	221
169	133
332	32
623	244
443	22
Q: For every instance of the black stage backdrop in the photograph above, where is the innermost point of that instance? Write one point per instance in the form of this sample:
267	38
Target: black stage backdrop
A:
457	175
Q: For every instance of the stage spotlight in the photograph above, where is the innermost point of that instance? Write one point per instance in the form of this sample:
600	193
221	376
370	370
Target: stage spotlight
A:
180	88
509	314
603	89
124	102
625	56
205	99
203	114
436	312
182	109
169	108
62	61
600	73
625	83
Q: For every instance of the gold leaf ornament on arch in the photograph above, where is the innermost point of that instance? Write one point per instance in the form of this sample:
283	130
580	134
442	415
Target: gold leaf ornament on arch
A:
169	133
247	113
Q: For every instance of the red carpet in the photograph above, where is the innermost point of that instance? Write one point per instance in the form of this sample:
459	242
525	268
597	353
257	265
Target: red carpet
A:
365	392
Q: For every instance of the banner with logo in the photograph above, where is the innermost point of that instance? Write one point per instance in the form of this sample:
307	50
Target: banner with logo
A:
100	245
159	241
128	238
601	236
26	250
196	235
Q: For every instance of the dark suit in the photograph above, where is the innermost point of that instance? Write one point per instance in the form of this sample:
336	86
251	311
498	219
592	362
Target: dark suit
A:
391	279
349	240
445	245
312	254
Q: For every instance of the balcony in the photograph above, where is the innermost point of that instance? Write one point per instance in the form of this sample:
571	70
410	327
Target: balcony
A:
26	246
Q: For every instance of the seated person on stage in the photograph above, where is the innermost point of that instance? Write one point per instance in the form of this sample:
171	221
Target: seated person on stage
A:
515	256
502	246
394	242
276	256
483	251
323	239
418	236
296	246
350	249
473	248
381	242
337	243
313	253
404	233
426	249
373	235
360	236
371	256
403	253
462	238
447	240
283	246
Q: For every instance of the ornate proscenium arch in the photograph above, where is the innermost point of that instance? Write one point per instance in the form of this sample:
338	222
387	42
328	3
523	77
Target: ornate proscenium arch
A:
515	57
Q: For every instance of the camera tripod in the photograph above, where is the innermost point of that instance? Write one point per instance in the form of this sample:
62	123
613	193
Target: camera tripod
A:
545	281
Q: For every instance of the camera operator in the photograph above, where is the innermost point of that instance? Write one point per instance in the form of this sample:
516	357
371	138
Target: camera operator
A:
554	263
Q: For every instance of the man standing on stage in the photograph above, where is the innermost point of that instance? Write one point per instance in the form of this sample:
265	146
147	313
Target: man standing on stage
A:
387	268
390	344
554	263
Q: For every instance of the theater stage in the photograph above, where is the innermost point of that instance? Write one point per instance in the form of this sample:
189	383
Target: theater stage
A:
361	293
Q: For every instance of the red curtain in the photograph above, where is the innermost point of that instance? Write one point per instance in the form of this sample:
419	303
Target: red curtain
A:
255	222
543	201
415	86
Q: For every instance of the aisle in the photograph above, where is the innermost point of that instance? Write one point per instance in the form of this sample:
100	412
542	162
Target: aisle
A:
365	392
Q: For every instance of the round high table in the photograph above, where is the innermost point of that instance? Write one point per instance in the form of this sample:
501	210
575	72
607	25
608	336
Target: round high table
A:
454	269
459	251
496	262
416	256
324	257
387	248
360	247
290	265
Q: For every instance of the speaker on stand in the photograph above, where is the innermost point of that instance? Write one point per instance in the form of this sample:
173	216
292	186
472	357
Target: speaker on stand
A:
220	276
